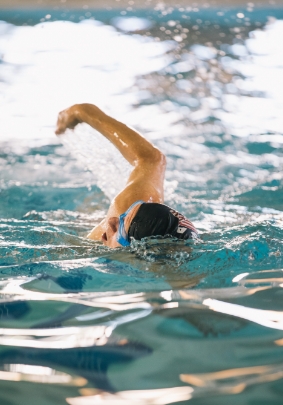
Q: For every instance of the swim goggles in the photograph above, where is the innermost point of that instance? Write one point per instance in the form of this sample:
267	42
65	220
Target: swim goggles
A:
122	236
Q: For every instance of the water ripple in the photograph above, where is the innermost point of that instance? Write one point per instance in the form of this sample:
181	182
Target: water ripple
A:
163	321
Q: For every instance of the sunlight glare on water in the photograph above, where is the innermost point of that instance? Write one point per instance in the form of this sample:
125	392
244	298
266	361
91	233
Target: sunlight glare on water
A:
164	321
61	63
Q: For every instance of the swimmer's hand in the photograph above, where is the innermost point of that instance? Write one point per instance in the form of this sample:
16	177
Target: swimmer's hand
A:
68	119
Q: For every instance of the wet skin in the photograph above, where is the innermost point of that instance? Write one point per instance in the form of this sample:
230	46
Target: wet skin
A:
146	179
109	237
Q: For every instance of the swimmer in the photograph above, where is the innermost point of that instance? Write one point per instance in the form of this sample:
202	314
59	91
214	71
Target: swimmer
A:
138	210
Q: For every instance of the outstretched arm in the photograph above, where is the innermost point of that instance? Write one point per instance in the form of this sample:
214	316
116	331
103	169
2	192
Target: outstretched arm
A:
133	146
146	179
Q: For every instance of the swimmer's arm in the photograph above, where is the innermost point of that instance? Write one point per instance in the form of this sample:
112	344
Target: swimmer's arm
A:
132	145
147	177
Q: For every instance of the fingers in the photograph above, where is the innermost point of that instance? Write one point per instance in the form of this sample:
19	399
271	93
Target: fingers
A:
59	131
62	122
67	119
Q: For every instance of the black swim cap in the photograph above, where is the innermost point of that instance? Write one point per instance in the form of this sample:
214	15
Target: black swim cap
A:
153	219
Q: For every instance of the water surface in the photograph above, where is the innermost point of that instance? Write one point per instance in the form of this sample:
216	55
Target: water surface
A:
163	321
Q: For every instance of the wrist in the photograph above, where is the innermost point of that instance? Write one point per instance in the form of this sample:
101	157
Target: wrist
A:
77	112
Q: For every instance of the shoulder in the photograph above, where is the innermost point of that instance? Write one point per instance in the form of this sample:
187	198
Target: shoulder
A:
134	191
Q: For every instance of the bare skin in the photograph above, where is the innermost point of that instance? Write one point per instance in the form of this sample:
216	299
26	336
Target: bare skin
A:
147	177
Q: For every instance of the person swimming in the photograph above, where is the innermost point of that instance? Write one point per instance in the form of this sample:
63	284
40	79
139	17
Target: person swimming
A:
138	211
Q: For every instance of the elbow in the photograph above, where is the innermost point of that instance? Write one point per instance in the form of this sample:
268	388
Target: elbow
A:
154	158
159	159
162	158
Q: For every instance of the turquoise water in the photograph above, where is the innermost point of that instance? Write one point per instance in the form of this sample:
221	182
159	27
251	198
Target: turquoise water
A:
163	321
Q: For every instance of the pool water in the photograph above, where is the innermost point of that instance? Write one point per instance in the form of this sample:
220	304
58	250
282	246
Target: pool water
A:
163	321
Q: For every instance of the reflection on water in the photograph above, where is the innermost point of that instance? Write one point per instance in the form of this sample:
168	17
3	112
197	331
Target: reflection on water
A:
234	381
38	374
164	321
159	396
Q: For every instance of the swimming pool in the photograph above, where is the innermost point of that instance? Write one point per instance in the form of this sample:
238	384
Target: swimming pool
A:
163	321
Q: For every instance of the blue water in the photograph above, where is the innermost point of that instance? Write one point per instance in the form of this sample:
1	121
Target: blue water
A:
163	321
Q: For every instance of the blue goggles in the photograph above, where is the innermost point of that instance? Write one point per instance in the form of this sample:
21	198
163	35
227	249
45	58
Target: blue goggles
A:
122	236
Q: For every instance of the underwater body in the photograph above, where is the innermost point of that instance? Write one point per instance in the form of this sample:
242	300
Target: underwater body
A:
164	321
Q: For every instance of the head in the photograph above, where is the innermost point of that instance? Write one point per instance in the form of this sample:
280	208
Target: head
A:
146	219
116	234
